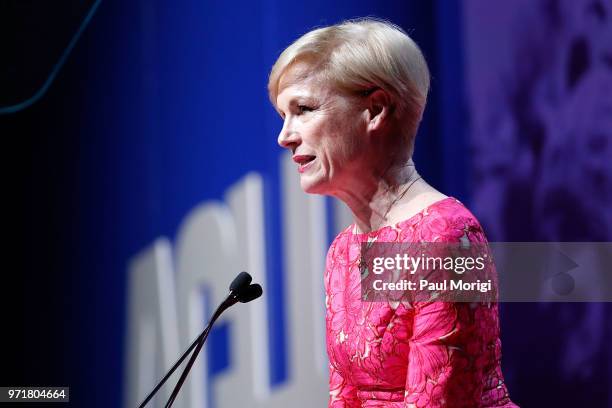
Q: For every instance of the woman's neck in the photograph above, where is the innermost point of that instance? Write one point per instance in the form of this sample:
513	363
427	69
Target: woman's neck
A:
373	197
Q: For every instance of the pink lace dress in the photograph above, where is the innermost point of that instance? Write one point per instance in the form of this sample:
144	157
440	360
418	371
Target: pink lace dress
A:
421	354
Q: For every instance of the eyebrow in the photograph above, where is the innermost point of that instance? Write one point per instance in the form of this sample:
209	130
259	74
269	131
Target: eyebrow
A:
295	100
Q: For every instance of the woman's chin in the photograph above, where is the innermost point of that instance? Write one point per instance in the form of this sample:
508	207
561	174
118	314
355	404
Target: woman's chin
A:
312	185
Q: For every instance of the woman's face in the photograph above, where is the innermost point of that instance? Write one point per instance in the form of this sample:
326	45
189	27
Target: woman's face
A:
324	129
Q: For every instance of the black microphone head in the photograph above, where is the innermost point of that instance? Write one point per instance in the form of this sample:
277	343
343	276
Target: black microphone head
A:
249	293
240	282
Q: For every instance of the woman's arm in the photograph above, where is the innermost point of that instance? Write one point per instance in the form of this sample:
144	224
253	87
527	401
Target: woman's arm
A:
450	347
445	367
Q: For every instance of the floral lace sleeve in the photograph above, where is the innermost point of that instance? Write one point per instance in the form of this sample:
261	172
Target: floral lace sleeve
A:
448	341
443	355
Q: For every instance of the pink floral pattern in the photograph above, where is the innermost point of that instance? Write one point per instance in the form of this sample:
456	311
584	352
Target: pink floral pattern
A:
412	355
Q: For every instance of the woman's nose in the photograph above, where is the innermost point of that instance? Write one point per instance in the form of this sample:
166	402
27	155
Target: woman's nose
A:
288	137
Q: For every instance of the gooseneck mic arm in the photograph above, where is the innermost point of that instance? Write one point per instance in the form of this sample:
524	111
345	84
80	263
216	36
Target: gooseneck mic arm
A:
240	291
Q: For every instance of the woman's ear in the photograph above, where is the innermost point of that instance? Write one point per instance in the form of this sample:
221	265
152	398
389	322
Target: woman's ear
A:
379	109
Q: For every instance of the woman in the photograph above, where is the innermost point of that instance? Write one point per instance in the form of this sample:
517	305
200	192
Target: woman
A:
351	97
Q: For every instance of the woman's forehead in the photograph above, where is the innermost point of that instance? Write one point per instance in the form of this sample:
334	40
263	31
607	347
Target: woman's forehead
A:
300	75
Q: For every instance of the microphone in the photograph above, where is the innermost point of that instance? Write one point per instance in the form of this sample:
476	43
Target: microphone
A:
241	290
250	293
241	281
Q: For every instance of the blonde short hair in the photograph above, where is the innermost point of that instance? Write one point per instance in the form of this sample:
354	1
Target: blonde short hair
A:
361	55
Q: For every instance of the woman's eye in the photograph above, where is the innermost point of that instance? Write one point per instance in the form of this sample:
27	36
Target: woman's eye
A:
304	108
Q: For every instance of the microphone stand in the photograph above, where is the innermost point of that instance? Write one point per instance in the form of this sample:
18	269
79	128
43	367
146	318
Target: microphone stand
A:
230	300
202	337
240	291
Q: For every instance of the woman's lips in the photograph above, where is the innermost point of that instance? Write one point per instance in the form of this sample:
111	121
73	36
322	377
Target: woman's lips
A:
303	161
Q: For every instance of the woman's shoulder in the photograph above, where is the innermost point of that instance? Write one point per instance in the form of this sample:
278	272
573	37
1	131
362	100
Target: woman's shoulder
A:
446	220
